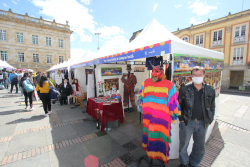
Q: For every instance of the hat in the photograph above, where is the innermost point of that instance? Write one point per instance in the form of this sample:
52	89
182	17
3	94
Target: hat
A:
13	70
129	67
39	72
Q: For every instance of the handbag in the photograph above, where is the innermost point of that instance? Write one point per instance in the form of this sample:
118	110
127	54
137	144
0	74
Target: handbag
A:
53	92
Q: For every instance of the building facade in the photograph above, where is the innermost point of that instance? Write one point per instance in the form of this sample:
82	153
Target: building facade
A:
31	43
229	35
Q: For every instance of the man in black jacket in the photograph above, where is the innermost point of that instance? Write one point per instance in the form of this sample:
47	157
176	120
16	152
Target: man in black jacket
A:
197	102
65	90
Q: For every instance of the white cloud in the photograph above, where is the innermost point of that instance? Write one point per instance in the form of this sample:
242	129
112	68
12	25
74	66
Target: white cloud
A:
77	52
109	32
201	8
155	7
193	20
87	2
119	41
14	2
177	6
5	5
80	21
189	2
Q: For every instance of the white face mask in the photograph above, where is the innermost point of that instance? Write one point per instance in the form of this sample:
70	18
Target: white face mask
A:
197	80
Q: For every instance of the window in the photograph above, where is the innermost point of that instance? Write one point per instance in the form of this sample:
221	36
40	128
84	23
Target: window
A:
60	43
35	39
49	59
48	41
199	40
240	31
20	57
4	55
217	40
35	58
60	59
185	39
19	37
240	34
238	56
3	35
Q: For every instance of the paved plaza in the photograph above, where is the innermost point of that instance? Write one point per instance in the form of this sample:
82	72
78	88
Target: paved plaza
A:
69	137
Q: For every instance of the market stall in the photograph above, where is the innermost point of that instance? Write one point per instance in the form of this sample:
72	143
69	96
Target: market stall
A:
155	40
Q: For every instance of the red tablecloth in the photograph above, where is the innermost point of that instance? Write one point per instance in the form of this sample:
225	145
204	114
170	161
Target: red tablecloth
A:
110	112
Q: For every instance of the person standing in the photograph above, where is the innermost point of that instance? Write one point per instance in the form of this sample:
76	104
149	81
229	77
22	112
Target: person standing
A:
26	94
5	79
20	75
13	79
44	87
197	102
37	78
65	90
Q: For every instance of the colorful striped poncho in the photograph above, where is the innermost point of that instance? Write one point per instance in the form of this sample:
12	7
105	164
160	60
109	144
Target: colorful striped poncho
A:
160	107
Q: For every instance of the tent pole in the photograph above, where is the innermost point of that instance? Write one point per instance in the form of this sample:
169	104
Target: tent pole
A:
95	81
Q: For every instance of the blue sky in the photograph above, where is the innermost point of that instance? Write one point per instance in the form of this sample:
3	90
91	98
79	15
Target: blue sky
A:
116	20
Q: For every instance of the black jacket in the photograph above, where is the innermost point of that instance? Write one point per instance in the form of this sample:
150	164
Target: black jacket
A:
66	91
186	101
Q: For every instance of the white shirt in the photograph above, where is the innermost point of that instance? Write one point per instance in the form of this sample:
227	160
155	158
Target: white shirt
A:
65	85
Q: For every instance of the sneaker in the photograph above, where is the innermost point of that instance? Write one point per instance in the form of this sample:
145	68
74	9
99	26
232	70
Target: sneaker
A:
45	115
9	92
49	112
31	108
26	108
16	92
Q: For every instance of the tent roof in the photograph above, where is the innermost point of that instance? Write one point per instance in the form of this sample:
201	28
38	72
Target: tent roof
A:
4	64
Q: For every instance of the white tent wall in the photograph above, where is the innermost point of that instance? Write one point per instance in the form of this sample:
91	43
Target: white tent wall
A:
81	76
141	76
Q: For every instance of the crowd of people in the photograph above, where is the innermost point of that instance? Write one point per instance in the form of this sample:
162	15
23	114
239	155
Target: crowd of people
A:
28	82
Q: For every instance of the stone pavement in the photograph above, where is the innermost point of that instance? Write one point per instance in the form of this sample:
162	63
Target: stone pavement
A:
69	137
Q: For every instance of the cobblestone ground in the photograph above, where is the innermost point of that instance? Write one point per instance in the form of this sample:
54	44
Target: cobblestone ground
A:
69	137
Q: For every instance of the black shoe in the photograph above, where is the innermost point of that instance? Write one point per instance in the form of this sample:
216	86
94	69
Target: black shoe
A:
190	165
181	165
60	104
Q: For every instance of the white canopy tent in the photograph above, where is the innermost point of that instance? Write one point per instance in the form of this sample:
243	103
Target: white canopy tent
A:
4	64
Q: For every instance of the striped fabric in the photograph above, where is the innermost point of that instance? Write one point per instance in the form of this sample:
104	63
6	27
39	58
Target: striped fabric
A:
160	107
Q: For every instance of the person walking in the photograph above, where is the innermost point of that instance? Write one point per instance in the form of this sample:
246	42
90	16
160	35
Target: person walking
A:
27	95
13	79
44	87
197	102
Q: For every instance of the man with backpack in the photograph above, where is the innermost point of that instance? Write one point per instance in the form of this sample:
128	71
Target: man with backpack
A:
28	90
13	79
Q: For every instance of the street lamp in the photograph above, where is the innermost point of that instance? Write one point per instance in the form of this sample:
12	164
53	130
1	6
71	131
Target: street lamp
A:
98	39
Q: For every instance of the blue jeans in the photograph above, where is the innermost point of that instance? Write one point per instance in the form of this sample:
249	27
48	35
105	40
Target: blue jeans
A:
198	130
21	89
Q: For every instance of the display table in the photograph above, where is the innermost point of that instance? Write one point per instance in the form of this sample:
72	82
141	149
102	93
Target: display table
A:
109	112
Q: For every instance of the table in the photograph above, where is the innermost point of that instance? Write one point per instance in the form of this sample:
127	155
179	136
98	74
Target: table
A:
109	112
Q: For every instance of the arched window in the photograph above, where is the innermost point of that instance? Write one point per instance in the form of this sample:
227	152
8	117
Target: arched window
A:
185	39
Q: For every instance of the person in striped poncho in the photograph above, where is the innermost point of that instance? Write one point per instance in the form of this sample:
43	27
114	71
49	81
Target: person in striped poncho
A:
160	108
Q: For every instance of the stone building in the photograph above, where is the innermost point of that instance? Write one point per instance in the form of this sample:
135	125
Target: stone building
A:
31	43
230	35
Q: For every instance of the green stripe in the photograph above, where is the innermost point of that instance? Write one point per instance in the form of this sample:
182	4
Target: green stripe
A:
157	135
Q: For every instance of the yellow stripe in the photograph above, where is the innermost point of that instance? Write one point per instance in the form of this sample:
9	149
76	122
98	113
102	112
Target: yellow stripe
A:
144	145
156	89
158	154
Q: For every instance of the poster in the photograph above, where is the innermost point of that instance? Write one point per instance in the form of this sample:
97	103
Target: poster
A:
212	78
108	71
58	79
109	82
139	69
87	72
184	63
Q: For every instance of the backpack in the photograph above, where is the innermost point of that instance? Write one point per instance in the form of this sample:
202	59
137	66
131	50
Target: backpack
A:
27	86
